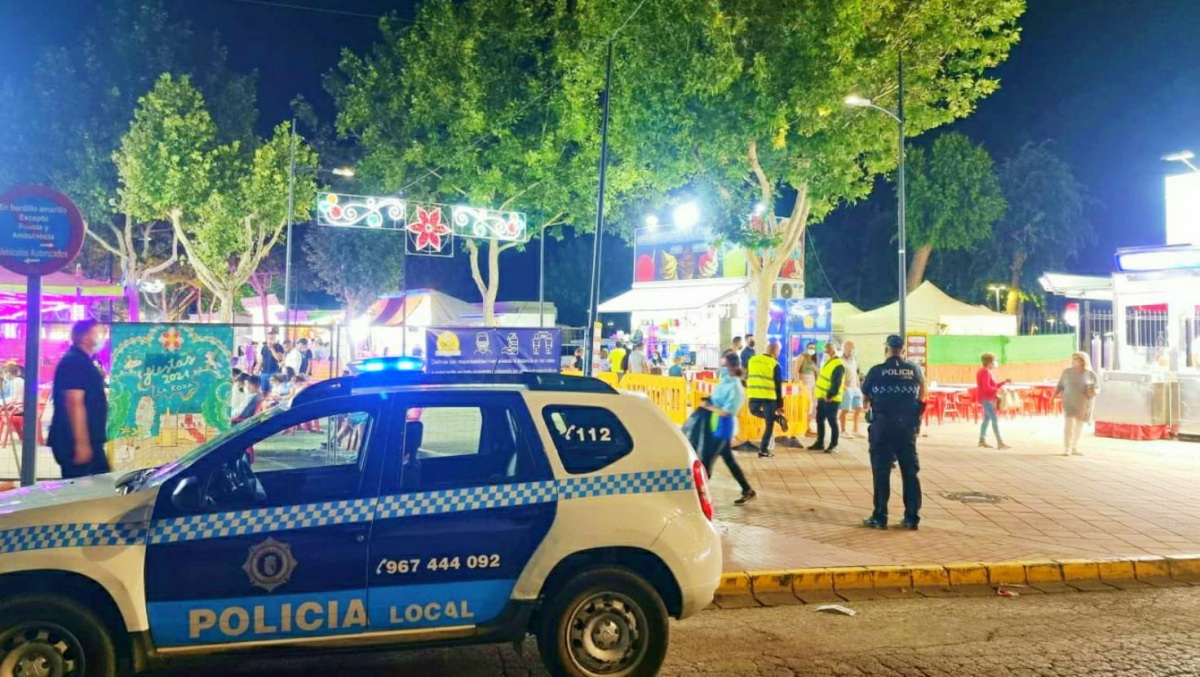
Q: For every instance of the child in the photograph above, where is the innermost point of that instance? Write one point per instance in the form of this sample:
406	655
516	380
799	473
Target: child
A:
676	366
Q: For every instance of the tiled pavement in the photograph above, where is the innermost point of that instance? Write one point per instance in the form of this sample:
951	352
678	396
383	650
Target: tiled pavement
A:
1122	498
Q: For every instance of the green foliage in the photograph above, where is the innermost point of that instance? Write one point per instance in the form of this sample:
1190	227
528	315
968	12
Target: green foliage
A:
227	203
1045	222
356	265
167	160
700	82
953	194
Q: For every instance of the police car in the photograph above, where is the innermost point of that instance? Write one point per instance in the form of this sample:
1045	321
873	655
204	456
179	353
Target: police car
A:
383	509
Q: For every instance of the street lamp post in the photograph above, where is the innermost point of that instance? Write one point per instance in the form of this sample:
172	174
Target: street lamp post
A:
901	252
997	288
1185	157
542	277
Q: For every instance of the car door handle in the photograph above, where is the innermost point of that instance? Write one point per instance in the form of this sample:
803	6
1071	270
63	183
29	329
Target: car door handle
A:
360	538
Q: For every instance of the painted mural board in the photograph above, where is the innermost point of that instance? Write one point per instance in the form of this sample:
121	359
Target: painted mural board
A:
169	390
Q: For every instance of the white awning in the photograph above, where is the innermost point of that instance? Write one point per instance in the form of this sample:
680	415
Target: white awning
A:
1083	287
672	296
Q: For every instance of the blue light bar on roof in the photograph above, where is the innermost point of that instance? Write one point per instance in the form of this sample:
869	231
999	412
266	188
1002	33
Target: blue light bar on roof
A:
1145	259
374	365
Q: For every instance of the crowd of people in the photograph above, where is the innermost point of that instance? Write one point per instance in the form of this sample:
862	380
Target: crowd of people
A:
278	371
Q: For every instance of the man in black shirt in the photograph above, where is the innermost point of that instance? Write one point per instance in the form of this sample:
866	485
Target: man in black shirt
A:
748	351
78	429
271	358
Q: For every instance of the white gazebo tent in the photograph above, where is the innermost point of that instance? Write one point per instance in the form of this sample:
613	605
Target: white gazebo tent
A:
932	311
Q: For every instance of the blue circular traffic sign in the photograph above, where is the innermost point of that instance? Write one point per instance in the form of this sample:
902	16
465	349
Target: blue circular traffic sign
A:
41	231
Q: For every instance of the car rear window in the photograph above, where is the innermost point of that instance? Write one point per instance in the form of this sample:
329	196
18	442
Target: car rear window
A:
587	438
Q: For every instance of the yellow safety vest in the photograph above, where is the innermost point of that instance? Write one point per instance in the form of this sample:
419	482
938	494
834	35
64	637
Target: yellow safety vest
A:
615	357
825	378
760	377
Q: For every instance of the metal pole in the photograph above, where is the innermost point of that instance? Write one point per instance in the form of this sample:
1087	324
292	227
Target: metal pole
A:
542	279
33	335
595	285
901	250
287	266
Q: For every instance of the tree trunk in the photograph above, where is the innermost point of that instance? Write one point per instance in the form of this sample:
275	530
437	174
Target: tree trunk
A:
133	301
916	269
760	286
1013	304
225	304
493	284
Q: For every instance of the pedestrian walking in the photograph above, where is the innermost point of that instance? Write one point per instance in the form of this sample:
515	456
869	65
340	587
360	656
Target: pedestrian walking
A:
894	393
724	404
637	360
617	359
1078	386
293	356
764	386
807	366
852	400
306	358
988	390
78	428
735	347
748	351
829	397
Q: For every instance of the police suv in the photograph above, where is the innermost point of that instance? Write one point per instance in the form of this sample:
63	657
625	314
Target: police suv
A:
384	509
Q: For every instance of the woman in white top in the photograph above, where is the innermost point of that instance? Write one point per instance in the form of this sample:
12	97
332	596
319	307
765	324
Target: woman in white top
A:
1078	386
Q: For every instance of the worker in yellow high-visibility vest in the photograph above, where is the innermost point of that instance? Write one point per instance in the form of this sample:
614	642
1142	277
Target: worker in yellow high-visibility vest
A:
616	359
828	394
764	389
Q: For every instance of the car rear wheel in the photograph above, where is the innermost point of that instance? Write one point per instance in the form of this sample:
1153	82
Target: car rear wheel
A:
52	636
604	623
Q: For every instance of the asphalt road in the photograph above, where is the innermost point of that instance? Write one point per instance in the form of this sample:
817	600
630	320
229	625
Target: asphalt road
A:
1152	632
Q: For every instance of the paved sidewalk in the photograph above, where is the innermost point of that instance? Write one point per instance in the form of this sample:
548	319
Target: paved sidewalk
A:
1121	499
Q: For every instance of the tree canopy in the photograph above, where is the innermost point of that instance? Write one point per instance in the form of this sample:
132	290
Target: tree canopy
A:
744	101
481	102
226	202
953	198
1045	226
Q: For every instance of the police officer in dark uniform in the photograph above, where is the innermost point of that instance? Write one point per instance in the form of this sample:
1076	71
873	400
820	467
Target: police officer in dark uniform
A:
894	394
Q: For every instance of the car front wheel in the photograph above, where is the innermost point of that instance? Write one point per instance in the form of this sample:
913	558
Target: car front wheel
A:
604	623
52	636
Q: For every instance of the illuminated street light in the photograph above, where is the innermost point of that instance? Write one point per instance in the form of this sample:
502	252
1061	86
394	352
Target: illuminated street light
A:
856	101
760	209
686	215
651	221
1185	157
347	172
997	288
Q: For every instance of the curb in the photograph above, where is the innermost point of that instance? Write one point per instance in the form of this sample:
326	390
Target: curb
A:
744	589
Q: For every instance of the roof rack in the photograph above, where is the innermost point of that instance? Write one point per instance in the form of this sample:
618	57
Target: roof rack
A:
537	381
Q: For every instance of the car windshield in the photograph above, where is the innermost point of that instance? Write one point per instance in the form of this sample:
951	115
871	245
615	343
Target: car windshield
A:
168	470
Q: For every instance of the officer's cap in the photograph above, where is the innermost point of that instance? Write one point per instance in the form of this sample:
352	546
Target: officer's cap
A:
894	341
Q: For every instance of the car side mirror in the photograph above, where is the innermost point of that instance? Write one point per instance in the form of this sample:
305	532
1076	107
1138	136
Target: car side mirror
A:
188	495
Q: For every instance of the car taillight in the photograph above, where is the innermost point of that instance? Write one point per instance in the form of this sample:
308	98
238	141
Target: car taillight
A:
701	479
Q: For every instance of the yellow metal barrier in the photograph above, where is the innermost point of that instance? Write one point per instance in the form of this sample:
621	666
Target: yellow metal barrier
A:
674	396
668	392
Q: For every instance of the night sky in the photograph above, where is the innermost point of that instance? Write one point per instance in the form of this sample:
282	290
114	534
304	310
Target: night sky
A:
1115	83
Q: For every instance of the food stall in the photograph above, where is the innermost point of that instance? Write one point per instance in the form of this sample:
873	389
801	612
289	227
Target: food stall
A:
689	295
1152	389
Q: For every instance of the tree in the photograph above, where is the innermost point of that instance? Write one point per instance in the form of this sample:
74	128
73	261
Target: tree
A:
953	198
80	104
745	100
227	204
478	102
1045	226
356	265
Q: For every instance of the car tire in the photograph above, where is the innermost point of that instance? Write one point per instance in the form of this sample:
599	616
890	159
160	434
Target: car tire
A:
53	635
604	622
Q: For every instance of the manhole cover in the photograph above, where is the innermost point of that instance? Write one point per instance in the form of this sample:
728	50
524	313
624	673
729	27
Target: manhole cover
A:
973	497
